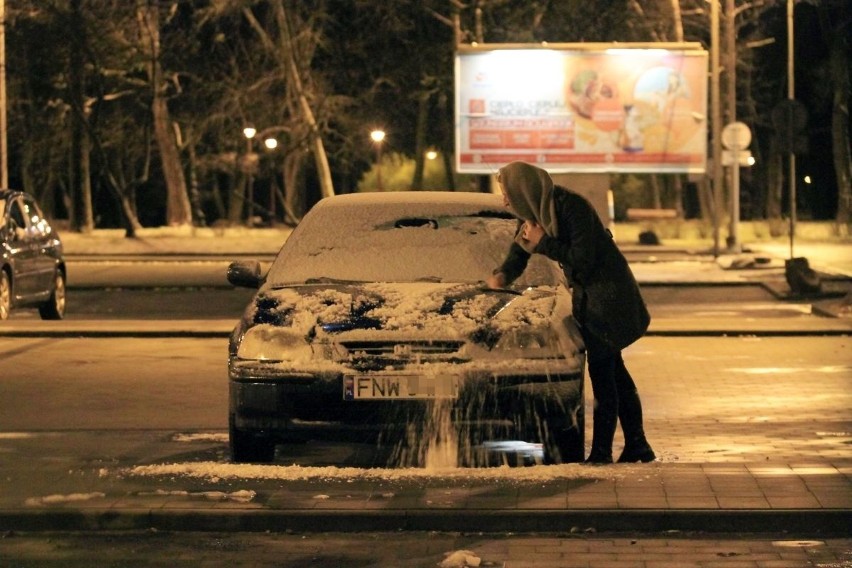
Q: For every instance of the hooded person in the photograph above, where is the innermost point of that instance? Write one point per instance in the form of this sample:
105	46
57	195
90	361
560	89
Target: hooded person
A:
607	303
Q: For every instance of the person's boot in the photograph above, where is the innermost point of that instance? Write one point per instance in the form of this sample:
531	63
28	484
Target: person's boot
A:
603	431
636	446
637	452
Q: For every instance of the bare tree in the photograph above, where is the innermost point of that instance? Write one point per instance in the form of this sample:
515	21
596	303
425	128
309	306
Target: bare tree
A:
292	54
178	210
839	62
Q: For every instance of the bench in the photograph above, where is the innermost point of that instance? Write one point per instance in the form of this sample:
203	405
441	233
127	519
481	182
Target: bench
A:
639	214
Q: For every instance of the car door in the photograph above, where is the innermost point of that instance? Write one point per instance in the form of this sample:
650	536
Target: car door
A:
21	252
41	242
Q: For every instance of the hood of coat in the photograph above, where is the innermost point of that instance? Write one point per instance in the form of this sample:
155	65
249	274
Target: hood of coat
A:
529	190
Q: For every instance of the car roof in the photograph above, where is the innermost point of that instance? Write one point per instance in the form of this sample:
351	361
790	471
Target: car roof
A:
423	201
6	193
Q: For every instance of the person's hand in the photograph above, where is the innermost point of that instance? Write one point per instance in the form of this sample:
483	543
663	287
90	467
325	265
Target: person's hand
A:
533	232
496	281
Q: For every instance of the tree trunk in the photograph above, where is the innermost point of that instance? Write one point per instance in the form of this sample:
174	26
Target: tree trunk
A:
318	148
293	187
420	139
194	193
178	210
656	199
448	168
840	127
775	183
81	215
237	196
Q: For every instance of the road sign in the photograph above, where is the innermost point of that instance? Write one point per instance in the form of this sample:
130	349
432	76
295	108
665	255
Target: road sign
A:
736	136
743	157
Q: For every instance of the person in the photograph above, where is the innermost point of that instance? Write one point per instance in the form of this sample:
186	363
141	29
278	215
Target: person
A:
606	301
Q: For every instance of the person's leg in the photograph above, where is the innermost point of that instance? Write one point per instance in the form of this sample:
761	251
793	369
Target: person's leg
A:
636	446
605	414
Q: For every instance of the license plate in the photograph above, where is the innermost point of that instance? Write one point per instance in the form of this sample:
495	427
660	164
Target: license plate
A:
396	387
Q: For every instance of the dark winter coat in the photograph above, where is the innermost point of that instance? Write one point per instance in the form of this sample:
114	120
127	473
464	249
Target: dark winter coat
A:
607	302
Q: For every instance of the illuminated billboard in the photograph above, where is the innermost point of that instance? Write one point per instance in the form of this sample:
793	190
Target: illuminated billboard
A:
582	108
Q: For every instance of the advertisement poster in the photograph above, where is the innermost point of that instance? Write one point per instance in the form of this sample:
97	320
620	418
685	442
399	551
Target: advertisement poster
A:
589	110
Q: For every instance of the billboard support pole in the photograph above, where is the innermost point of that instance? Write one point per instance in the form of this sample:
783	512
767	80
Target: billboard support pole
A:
716	123
791	95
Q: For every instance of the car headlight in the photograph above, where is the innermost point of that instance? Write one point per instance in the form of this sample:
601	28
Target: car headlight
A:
271	343
530	342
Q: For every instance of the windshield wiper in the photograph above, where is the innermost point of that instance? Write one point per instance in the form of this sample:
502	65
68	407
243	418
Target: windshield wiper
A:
484	288
328	280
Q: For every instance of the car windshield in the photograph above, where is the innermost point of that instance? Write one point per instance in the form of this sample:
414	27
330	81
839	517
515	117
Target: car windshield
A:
369	241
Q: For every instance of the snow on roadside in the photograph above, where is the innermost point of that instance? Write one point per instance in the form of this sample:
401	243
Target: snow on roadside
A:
218	437
242	496
59	499
216	471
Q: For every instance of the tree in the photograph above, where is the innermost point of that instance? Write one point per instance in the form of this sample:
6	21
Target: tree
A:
836	20
178	210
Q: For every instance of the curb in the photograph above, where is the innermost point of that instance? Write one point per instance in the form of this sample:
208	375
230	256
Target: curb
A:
832	522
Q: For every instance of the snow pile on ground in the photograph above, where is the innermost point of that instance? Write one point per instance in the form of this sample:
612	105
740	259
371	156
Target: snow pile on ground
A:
242	496
59	499
216	471
218	437
460	559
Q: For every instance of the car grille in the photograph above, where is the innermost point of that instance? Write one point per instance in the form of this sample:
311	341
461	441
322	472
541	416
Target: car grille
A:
377	355
403	349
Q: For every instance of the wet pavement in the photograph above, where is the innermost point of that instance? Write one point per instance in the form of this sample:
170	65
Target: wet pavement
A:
752	438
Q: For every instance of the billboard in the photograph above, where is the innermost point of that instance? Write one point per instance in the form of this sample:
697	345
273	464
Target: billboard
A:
582	108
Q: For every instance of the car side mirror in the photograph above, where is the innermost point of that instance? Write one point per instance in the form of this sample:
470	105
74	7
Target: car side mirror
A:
245	274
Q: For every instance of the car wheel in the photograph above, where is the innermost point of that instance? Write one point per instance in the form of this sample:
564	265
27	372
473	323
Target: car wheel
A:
249	447
5	295
558	425
54	307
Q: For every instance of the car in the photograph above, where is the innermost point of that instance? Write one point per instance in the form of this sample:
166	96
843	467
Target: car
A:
374	322
32	265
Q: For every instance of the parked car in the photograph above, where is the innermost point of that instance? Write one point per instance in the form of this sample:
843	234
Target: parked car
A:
374	318
32	268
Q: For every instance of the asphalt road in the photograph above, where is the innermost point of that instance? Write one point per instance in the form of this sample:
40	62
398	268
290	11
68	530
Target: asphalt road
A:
136	404
105	394
418	550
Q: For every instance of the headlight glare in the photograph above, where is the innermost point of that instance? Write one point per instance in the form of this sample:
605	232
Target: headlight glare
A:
267	342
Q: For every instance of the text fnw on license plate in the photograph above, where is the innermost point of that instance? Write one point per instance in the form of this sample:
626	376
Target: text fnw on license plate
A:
373	387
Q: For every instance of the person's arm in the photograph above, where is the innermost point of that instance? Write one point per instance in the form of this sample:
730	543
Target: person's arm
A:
513	266
575	251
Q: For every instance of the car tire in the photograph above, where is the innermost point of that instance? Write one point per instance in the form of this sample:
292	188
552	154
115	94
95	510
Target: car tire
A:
54	307
561	434
249	447
5	295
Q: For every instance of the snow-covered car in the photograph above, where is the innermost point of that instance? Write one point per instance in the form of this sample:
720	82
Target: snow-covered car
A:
374	318
32	267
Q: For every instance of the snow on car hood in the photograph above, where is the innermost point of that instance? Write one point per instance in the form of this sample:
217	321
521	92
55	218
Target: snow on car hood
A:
414	310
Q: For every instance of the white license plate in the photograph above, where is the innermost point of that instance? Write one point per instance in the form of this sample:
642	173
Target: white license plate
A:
395	387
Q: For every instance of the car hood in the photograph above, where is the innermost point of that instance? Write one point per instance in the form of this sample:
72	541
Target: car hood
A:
421	310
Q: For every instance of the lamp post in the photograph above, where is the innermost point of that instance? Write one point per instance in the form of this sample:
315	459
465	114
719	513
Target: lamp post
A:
249	132
271	144
378	136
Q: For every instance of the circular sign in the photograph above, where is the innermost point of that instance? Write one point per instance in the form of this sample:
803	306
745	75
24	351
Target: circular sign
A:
736	136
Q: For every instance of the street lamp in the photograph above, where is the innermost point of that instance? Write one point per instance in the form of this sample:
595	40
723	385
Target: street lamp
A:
378	136
431	155
249	132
